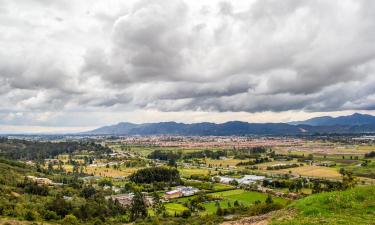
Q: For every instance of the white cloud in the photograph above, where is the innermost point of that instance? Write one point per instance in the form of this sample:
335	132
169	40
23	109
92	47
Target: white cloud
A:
73	59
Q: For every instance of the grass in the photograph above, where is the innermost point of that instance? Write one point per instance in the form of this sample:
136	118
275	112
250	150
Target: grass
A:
364	171
224	162
187	172
312	171
242	196
227	199
174	208
355	206
110	172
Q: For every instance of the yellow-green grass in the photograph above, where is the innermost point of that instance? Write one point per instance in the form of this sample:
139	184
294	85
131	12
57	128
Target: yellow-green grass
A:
174	208
242	196
263	166
311	171
110	172
223	162
187	172
354	206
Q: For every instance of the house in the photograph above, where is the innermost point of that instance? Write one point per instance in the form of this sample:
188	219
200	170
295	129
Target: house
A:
181	192
123	199
127	199
173	194
40	180
247	179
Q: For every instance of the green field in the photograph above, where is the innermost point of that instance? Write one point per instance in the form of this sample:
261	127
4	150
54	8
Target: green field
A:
355	206
173	208
364	171
242	196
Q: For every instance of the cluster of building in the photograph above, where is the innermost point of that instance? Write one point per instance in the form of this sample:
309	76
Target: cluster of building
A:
247	179
126	199
181	192
41	180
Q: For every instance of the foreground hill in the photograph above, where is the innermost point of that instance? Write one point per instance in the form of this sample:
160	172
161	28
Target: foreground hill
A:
354	206
356	123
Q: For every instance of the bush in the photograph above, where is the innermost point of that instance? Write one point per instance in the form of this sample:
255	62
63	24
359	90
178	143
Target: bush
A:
70	220
30	215
51	215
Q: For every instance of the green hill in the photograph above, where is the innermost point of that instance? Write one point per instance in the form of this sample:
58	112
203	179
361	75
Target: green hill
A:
354	206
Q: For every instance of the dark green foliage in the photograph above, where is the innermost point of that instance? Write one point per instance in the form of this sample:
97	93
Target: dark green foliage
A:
287	166
31	150
30	215
35	189
170	155
60	206
269	200
105	182
155	174
88	192
370	154
138	206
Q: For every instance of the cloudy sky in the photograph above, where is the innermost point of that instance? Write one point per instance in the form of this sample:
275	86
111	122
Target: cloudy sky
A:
74	65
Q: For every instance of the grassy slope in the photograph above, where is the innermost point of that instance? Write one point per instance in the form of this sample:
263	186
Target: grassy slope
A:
355	206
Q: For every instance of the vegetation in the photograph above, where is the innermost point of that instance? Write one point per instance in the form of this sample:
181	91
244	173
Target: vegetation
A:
354	206
31	150
156	174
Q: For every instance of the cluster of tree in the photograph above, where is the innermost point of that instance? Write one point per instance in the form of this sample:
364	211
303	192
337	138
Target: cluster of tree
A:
156	174
284	166
253	152
258	208
370	154
255	161
287	157
170	155
34	188
294	185
33	150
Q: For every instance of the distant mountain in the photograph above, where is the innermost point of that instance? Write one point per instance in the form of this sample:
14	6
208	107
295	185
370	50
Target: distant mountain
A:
356	119
203	129
356	123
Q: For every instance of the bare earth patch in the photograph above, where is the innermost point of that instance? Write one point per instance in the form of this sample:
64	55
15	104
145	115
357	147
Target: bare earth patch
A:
253	220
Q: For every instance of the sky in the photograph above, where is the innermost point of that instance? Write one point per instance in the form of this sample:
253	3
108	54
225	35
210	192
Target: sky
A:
69	66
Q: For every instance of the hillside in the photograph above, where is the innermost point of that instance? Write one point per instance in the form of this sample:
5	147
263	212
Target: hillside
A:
203	129
355	119
356	123
355	206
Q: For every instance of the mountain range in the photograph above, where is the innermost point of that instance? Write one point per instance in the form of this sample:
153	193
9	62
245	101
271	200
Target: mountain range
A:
356	123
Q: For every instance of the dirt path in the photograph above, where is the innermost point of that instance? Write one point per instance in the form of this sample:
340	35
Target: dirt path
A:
253	220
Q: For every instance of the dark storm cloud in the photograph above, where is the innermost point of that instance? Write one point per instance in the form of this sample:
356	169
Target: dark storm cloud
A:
286	54
176	55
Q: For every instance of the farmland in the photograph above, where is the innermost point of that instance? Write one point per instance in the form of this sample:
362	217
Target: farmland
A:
192	179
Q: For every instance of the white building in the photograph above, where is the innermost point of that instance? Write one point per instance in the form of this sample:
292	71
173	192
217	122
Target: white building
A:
247	179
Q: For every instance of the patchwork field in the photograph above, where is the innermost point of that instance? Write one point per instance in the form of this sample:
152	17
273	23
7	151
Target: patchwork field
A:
227	199
110	172
312	171
187	172
223	162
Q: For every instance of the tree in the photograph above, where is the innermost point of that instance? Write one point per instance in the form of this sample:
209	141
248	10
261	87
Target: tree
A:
88	191
70	220
233	182
269	200
348	179
157	206
30	215
219	211
138	207
172	163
